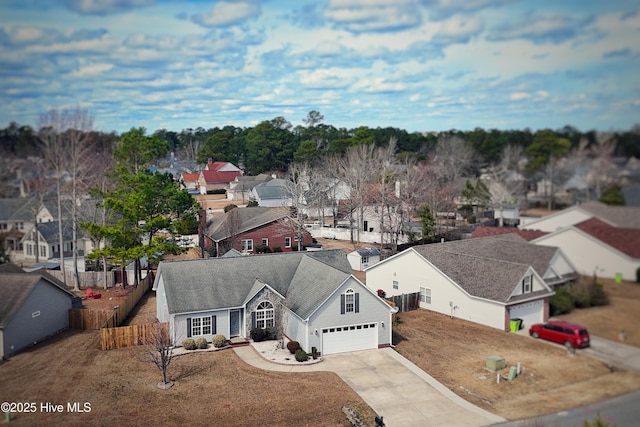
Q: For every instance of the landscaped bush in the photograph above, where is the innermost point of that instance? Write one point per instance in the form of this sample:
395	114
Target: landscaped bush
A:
258	334
292	346
217	191
272	333
218	341
276	249
201	343
263	249
301	355
598	295
229	207
561	302
189	344
588	293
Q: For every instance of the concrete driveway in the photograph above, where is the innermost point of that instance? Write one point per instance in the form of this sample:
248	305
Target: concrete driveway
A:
614	353
395	388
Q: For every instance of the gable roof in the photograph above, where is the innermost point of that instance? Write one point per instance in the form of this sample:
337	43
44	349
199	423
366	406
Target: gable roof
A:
528	235
273	189
219	177
249	218
15	288
18	209
488	267
625	240
306	279
190	177
366	252
620	216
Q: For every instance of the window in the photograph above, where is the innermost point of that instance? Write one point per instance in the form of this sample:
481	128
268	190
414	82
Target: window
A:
365	259
247	245
264	315
425	295
29	249
287	242
526	284
43	251
197	326
265	241
349	302
395	284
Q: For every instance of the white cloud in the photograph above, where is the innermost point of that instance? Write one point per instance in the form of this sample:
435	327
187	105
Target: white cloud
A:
226	13
103	7
373	15
519	96
326	79
91	70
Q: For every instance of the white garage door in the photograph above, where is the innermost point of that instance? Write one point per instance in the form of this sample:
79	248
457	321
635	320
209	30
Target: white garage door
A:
530	312
349	338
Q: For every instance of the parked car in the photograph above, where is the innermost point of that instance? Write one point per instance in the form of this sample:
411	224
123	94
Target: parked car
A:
571	335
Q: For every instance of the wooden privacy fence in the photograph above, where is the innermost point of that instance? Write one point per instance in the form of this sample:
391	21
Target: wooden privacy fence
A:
128	336
87	279
407	302
97	319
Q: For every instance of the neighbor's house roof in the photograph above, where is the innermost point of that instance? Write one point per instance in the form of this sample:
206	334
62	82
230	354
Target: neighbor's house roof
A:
619	216
273	189
528	235
219	177
249	219
190	177
488	267
305	279
49	231
367	252
631	195
15	289
18	209
626	240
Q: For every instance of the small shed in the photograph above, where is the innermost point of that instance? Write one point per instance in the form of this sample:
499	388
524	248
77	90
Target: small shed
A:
360	259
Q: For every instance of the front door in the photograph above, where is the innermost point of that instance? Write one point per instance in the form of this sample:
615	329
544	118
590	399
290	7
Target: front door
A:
234	321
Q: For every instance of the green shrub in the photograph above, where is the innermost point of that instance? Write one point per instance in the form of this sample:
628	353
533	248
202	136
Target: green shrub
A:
598	295
580	294
258	334
217	191
201	343
301	355
272	333
252	204
263	249
229	207
218	341
293	346
276	249
561	302
189	344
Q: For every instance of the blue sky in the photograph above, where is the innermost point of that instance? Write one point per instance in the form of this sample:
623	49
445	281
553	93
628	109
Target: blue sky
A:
419	65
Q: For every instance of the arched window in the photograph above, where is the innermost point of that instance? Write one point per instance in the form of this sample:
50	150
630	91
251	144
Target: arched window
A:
265	315
349	301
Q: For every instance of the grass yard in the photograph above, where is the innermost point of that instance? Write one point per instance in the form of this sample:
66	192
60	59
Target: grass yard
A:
213	388
454	352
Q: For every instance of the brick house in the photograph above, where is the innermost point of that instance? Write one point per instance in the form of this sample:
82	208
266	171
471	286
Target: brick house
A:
251	229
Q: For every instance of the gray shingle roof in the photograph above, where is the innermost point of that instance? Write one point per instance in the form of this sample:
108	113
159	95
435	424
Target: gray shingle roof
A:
250	218
18	209
306	279
15	289
368	252
488	267
619	216
273	189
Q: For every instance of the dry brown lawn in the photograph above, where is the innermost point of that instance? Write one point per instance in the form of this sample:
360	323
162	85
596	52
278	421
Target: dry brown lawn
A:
213	388
454	352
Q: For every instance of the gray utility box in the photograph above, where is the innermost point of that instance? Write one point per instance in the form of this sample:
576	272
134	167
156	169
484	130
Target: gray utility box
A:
495	363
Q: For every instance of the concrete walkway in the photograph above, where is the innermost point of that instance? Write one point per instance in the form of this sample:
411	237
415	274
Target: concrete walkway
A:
614	353
395	388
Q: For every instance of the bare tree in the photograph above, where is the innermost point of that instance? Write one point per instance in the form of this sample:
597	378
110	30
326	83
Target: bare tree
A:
297	185
232	226
158	348
505	179
65	134
453	157
603	172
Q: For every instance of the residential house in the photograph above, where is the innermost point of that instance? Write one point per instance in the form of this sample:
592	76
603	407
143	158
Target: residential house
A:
189	181
17	215
311	296
360	259
217	175
617	216
42	242
246	228
33	306
488	281
273	193
240	188
598	248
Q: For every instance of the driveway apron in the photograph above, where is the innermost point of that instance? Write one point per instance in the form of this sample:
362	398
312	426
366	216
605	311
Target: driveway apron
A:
395	388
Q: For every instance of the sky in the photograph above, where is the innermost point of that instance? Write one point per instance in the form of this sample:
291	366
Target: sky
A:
419	65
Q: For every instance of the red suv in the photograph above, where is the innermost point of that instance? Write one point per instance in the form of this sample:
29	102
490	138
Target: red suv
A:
569	334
